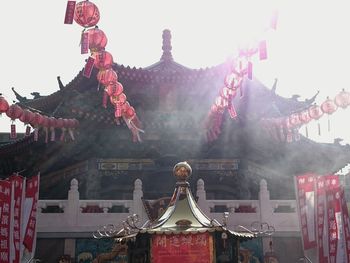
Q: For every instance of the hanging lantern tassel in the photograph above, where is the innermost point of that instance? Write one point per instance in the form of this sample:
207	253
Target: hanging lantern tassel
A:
133	128
329	124
118	110
63	133
71	134
13	134
306	132
46	134
27	130
53	134
231	109
36	133
319	129
104	99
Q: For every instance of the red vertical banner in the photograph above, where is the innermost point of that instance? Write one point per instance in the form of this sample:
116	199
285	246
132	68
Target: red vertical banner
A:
5	220
175	248
323	183
30	210
18	197
84	45
13	134
346	224
250	70
334	225
262	50
68	18
306	190
88	67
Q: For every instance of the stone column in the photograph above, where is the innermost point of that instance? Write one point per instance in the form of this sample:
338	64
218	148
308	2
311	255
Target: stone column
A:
202	197
72	209
137	207
266	211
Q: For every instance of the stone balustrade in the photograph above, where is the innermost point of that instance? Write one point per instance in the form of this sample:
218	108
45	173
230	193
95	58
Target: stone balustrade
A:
83	217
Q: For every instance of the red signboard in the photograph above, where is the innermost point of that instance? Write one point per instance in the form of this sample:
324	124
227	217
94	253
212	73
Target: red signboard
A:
30	209
5	220
18	194
324	183
184	248
306	188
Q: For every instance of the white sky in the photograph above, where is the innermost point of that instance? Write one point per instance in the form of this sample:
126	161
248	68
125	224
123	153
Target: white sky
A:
308	52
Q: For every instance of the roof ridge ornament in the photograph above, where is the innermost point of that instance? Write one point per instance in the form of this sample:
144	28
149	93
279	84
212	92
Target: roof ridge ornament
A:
166	56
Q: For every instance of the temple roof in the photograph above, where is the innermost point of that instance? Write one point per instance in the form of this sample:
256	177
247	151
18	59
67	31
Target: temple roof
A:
195	90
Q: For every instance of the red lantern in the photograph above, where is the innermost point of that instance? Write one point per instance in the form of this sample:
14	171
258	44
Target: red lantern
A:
103	60
342	99
37	120
4	106
233	81
107	77
121	99
227	93
52	122
315	112
60	123
221	102
97	39
27	116
304	117
14	112
46	122
86	14
294	120
118	102
129	112
328	106
114	89
76	123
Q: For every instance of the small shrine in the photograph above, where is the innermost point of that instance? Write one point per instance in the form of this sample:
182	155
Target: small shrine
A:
183	233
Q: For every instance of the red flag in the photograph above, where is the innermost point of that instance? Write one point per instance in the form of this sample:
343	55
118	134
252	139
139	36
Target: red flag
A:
5	220
324	183
30	211
345	218
306	188
334	224
18	197
274	19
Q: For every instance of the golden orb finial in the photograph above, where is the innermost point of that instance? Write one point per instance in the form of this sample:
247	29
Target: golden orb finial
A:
182	171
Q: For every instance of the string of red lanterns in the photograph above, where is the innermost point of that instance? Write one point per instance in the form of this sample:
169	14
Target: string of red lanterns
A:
37	121
86	14
288	126
242	67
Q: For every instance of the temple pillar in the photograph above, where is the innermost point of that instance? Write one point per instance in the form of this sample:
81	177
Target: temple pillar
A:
69	247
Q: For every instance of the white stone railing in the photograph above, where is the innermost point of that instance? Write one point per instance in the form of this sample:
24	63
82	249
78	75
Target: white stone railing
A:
71	215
